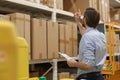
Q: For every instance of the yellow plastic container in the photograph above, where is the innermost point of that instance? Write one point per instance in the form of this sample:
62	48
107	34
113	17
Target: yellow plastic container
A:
34	79
66	79
8	51
23	66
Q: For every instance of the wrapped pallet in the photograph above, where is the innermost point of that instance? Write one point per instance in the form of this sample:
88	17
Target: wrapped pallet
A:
52	34
22	23
39	39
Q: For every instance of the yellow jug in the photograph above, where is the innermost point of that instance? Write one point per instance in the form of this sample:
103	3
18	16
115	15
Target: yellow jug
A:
23	63
34	78
8	51
66	79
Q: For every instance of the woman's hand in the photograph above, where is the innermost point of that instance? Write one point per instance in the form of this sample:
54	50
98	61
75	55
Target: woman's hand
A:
77	16
71	63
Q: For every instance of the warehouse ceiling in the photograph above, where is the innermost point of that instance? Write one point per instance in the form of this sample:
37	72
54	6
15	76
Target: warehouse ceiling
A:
115	4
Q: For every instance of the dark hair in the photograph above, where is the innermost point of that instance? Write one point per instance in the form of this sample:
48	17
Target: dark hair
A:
92	17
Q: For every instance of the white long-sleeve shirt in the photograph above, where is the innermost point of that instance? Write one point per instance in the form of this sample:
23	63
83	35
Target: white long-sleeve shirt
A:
92	50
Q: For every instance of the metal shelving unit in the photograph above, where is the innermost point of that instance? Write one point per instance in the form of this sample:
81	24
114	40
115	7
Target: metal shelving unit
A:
48	60
34	9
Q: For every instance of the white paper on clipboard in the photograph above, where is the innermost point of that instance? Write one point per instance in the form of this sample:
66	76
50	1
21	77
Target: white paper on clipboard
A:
65	56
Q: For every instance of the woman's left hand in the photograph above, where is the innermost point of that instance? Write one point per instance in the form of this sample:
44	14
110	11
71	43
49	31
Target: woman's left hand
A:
71	62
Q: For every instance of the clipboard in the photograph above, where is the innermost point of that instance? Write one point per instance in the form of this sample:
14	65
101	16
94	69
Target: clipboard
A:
66	56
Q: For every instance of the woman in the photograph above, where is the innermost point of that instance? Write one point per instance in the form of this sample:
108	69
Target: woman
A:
92	47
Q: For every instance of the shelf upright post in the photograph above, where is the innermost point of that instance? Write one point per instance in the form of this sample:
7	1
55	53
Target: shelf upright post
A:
54	12
55	69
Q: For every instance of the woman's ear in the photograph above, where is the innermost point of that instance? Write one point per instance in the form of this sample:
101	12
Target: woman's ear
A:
84	21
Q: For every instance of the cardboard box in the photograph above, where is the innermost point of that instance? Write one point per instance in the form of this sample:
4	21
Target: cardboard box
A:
64	39
50	3
73	76
39	39
27	33
77	5
107	36
49	75
59	4
4	17
63	75
22	23
18	20
104	9
116	49
34	74
116	38
52	39
68	39
93	3
43	2
75	40
115	15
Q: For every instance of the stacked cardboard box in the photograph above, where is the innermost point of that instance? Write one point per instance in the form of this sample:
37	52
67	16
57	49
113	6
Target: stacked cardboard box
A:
49	3
22	23
59	4
115	16
73	39
74	5
73	76
39	39
4	17
52	34
34	74
116	41
64	39
43	2
104	9
68	39
103	6
93	3
63	75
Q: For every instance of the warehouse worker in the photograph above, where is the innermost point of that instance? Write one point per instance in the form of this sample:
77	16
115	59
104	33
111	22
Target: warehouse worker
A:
92	47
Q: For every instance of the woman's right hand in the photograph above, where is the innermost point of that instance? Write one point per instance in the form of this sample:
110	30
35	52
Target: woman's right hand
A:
77	16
